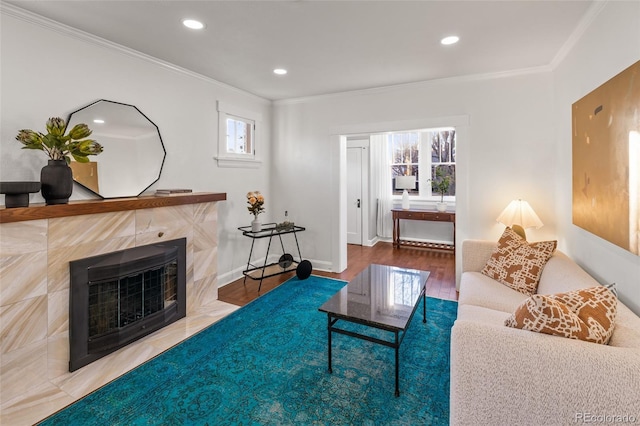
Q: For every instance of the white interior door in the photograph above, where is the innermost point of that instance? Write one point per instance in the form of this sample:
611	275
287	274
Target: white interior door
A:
354	195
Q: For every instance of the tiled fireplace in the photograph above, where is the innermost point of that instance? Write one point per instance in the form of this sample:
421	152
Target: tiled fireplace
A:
37	245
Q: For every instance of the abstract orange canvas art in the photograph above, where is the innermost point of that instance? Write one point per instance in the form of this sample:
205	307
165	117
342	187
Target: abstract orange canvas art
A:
606	160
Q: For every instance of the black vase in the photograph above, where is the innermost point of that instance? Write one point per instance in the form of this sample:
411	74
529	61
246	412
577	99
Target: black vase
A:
57	182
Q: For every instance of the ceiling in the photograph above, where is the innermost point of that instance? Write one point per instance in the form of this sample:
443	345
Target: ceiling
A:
329	46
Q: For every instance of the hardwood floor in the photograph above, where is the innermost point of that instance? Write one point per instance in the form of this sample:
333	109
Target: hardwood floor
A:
441	282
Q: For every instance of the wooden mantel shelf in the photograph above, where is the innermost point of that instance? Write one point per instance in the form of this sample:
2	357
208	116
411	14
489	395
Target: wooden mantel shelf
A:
76	208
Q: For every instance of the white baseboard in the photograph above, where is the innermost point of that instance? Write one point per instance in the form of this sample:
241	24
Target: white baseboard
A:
231	276
372	242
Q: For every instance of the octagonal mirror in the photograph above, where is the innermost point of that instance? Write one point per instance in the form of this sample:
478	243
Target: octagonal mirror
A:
133	152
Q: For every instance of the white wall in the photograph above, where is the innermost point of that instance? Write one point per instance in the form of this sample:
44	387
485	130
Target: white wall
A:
49	71
518	146
506	152
609	45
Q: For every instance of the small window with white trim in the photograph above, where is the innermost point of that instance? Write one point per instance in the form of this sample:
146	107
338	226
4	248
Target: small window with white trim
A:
237	136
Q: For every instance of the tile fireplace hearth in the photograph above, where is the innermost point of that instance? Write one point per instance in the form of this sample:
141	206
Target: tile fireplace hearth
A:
37	245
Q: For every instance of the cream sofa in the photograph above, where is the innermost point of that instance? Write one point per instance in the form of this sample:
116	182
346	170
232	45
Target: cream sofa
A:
507	376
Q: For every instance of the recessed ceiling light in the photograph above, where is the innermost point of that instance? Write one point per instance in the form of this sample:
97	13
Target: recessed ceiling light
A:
98	121
280	71
193	24
450	40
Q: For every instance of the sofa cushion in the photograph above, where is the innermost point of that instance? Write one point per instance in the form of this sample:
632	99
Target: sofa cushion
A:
561	274
481	314
626	333
480	290
518	264
476	253
587	314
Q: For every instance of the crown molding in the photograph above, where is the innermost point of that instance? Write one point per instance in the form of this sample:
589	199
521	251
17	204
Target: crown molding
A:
583	25
66	30
578	32
417	84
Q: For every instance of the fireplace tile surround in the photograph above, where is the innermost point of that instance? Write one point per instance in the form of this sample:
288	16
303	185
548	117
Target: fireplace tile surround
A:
34	292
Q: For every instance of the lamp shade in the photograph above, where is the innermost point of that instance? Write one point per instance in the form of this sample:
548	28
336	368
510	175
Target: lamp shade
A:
519	212
405	182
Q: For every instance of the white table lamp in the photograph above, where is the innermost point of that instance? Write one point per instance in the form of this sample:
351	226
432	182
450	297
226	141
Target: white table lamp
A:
405	182
519	215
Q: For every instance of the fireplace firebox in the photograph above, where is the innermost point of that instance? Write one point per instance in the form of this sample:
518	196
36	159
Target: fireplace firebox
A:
119	297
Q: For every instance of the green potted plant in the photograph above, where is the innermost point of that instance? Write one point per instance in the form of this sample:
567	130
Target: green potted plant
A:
59	146
440	184
56	177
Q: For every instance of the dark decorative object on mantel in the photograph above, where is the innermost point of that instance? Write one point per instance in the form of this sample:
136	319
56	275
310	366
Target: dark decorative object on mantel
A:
57	182
17	193
57	177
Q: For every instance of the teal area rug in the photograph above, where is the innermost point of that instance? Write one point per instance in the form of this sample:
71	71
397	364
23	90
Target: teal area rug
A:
266	363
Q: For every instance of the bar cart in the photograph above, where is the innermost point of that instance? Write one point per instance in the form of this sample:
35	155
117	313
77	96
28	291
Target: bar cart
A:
286	262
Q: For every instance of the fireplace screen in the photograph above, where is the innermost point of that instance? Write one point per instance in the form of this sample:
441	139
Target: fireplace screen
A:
117	303
120	297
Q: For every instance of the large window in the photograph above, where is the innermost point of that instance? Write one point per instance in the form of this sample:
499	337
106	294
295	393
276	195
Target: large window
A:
405	159
427	155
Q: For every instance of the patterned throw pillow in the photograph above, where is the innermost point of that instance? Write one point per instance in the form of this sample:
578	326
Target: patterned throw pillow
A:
587	314
518	264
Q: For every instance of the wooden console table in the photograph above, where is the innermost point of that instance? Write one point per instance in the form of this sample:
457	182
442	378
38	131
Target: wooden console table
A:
427	215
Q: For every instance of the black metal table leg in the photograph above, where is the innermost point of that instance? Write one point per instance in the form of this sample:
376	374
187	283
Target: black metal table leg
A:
297	246
397	346
329	340
424	307
249	260
266	259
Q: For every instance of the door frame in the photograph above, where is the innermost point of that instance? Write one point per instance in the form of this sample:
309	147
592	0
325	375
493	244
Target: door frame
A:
363	143
338	145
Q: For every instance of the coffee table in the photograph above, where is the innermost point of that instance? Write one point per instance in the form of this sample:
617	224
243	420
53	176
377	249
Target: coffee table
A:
381	297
